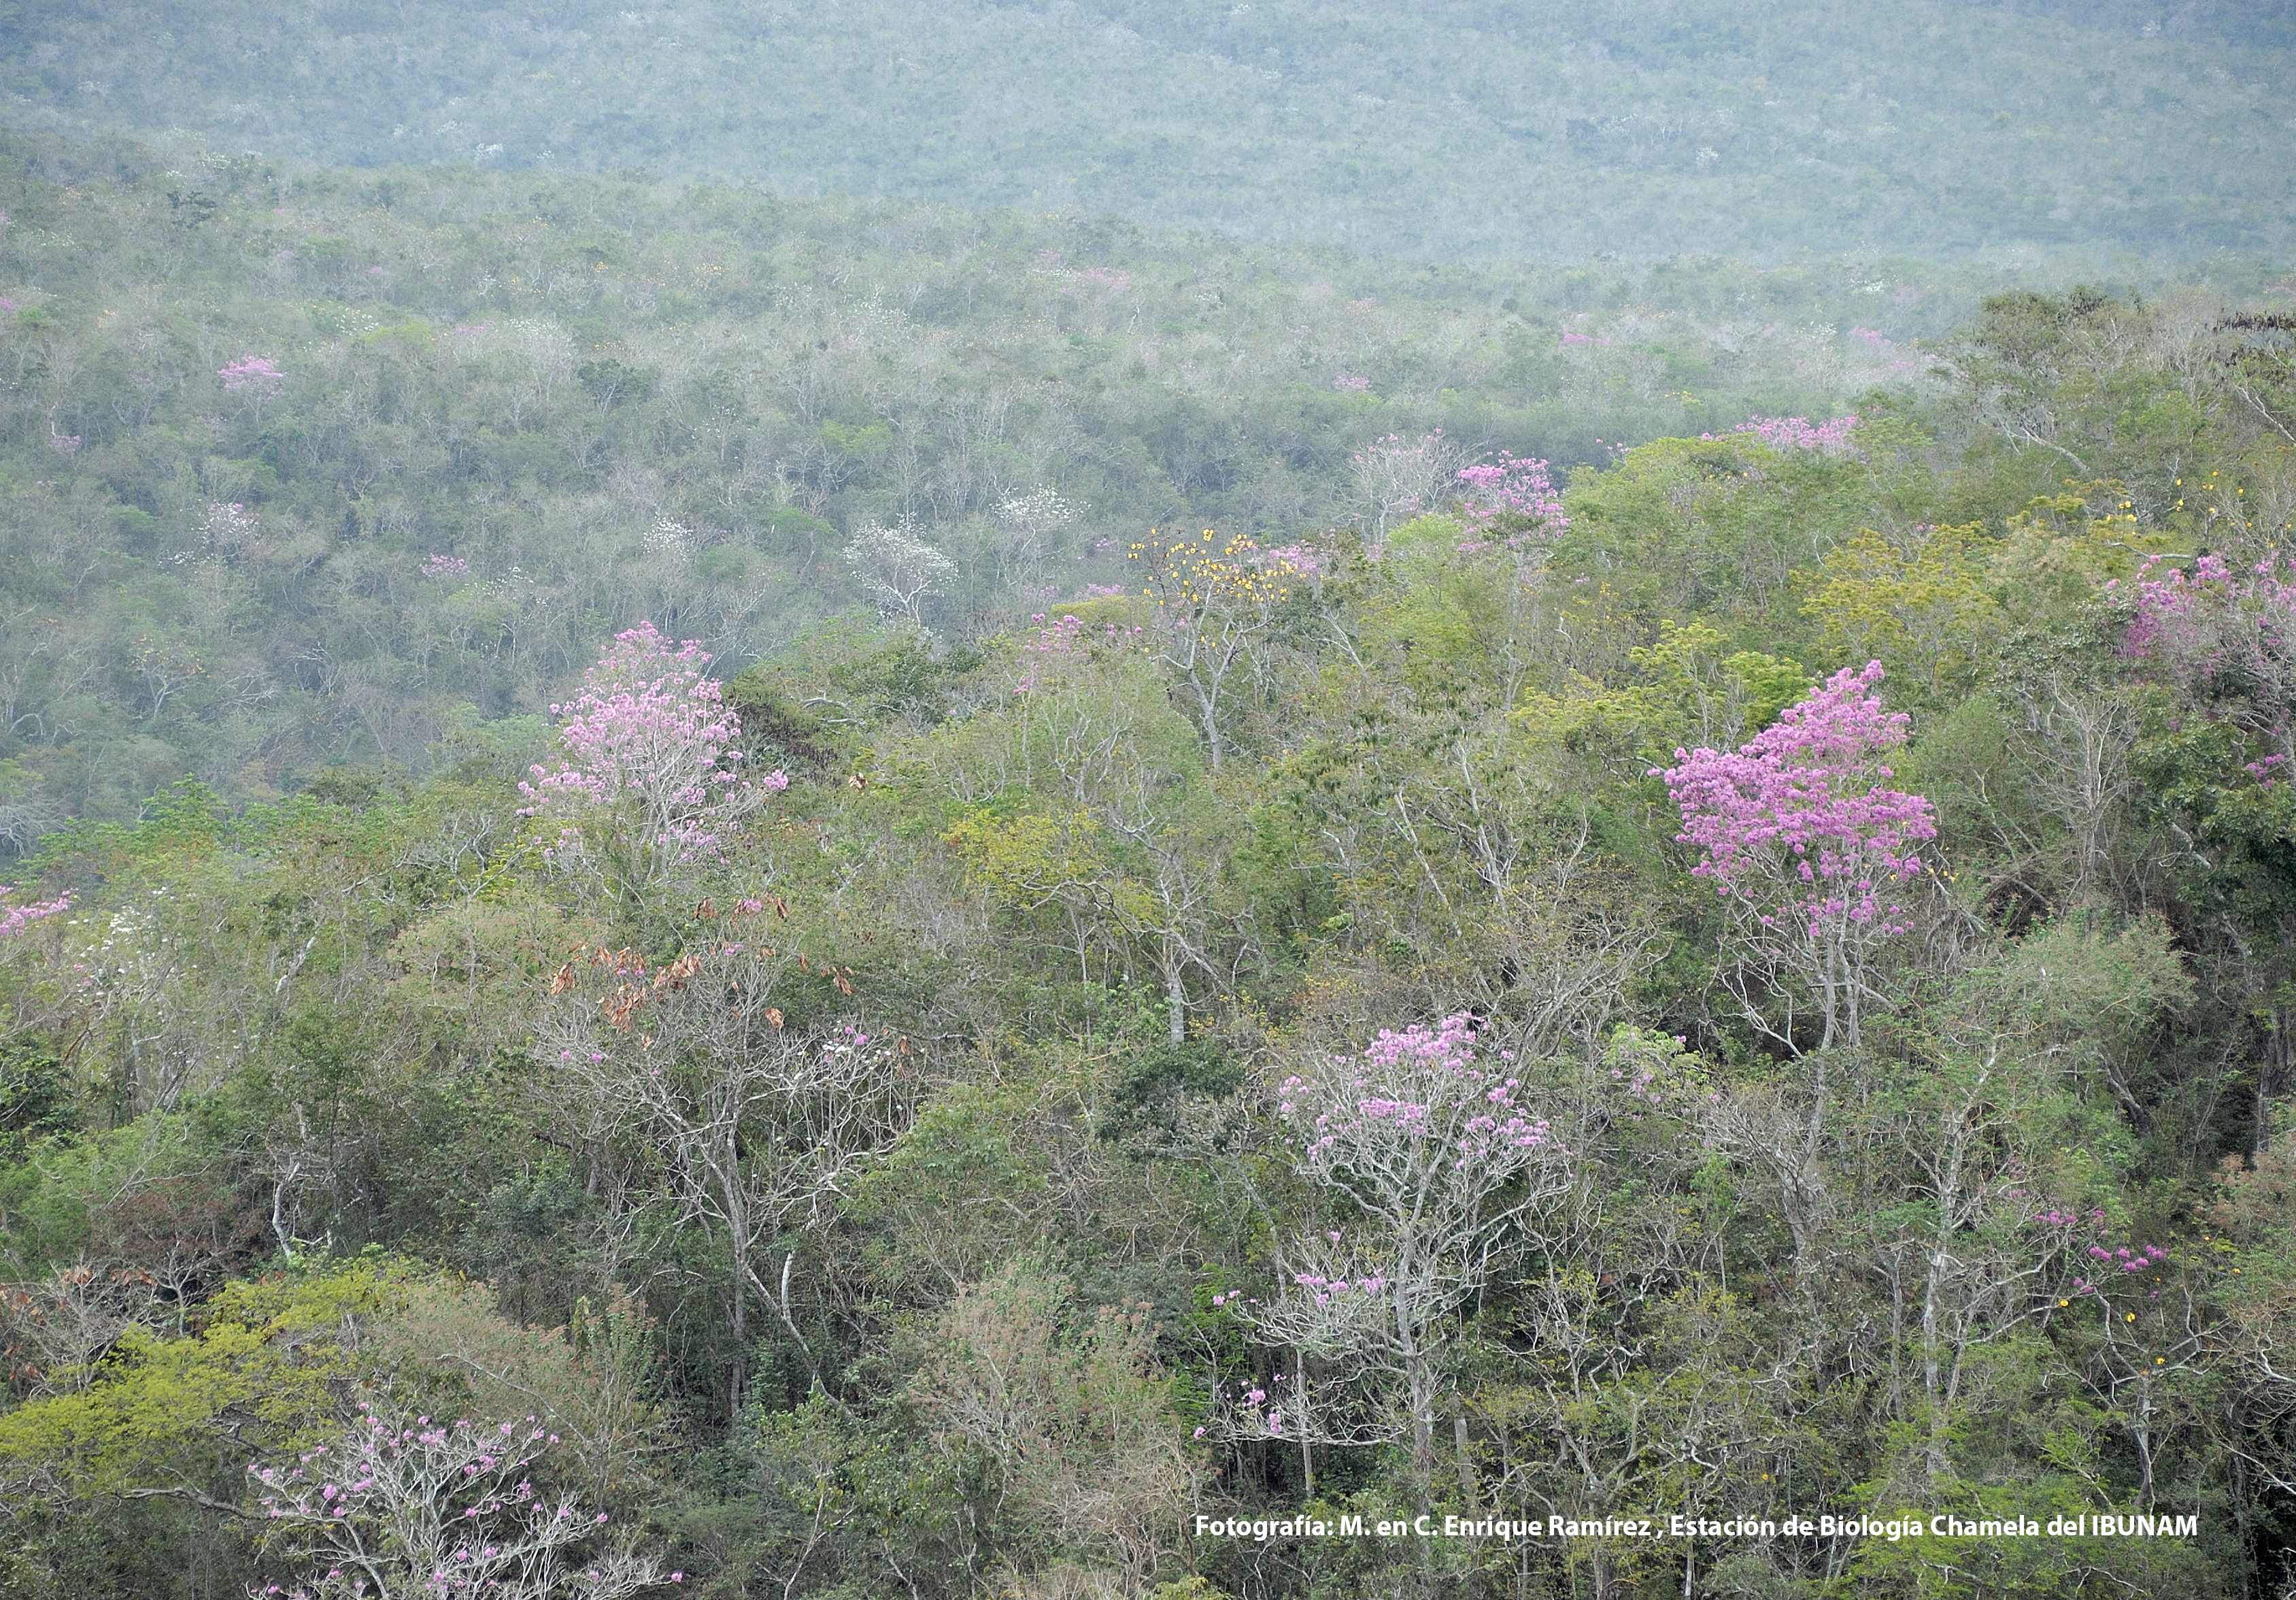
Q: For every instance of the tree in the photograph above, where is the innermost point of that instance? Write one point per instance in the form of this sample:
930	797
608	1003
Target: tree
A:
1921	602
650	743
2225	642
1808	851
1027	528
752	1128
257	377
898	571
1437	1154
2227	638
1078	1425
394	1506
1213	607
1510	497
1395	480
14	919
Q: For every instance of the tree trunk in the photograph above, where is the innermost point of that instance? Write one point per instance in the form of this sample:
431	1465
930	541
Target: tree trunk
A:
1176	994
741	1343
1307	1429
1422	1424
2275	1074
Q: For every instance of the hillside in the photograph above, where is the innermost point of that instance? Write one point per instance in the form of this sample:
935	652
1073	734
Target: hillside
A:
1460	129
1104	801
513	414
1754	990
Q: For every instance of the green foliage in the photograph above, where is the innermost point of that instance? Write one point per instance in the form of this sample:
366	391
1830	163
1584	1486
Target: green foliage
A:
884	1200
263	1373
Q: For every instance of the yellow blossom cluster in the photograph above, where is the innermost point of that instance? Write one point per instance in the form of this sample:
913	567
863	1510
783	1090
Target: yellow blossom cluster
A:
1193	573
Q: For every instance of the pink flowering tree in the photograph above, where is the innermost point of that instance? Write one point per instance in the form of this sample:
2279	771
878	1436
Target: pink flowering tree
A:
2224	637
1808	851
400	1506
2227	637
256	377
1783	433
651	768
1434	1150
14	918
1510	495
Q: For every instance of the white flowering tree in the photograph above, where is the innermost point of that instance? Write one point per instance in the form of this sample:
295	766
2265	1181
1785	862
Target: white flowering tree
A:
898	571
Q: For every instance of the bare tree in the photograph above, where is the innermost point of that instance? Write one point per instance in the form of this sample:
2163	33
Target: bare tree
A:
2076	751
757	1128
1396	479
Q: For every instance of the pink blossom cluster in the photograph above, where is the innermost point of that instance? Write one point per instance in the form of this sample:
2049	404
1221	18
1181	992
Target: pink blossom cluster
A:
1887	349
1783	433
456	1504
1806	796
1419	1087
15	919
258	373
1322	1288
2125	1259
1256	1411
1512	485
1057	643
1304	560
1349	383
649	728
444	566
2223	629
2141	1258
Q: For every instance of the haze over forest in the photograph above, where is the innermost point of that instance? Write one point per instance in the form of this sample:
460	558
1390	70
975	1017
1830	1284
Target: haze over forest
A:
1097	801
1453	130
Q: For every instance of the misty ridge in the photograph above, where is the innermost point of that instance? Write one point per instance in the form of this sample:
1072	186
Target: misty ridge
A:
1102	801
1457	130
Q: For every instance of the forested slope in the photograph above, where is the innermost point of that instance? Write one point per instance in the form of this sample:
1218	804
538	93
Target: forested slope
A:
492	418
1943	130
1756	985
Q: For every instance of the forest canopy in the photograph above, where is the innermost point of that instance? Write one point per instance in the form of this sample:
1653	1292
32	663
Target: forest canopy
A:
724	893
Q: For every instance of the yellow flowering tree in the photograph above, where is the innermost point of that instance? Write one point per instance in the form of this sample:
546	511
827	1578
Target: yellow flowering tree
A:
1216	604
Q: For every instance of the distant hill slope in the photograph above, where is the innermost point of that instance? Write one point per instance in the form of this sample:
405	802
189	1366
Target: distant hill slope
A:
303	464
1450	128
